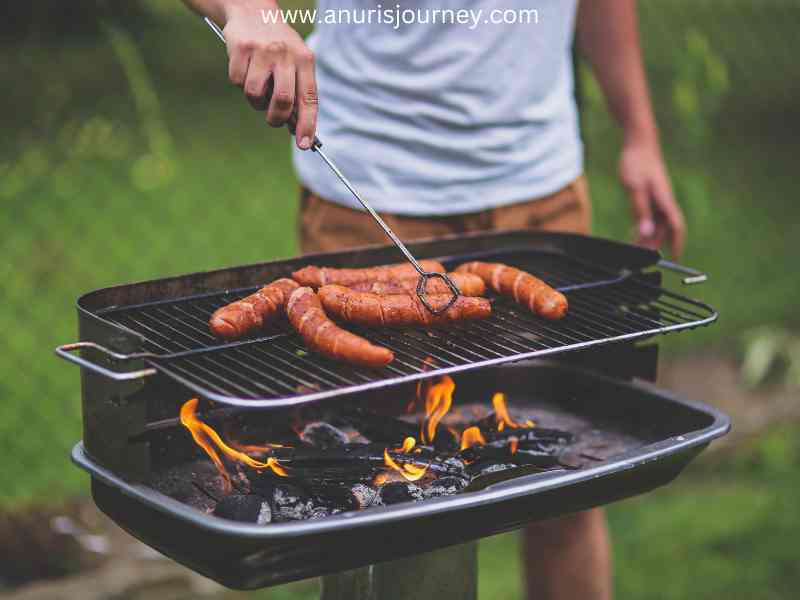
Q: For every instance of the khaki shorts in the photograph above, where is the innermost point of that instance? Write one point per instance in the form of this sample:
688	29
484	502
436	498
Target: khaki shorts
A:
325	226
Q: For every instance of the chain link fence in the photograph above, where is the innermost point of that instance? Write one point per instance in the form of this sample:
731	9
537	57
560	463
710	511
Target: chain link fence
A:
127	156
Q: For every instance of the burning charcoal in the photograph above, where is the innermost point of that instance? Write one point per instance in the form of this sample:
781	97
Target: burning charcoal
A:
290	503
381	428
504	454
531	435
445	486
487	424
323	435
337	496
400	491
484	467
319	512
446	440
366	496
248	509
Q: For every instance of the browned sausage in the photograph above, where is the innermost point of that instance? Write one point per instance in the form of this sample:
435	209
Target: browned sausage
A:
318	276
398	310
467	283
322	335
253	312
526	289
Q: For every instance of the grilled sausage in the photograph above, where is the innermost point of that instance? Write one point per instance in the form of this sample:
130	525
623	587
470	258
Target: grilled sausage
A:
253	312
318	276
467	283
398	310
322	335
526	289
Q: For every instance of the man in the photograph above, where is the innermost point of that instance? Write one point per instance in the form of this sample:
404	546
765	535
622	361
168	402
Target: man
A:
450	127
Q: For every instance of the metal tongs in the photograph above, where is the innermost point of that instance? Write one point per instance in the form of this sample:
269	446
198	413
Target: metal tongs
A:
424	276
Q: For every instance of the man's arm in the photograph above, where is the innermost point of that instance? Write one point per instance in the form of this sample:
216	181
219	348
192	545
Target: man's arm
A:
608	34
269	61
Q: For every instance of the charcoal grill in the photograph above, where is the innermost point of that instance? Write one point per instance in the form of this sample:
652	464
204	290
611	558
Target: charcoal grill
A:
145	350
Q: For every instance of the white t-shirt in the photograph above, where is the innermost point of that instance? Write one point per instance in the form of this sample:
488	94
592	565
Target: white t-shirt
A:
445	118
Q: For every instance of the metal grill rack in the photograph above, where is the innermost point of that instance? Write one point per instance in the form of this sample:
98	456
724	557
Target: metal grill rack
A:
277	370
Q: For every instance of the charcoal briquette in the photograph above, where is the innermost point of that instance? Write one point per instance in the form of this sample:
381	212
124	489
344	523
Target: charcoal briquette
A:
249	508
323	435
400	491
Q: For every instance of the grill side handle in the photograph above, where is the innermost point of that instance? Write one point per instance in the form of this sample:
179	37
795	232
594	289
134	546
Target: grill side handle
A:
693	275
65	351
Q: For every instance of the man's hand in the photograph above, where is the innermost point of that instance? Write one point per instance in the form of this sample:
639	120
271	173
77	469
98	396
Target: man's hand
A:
608	32
657	215
269	61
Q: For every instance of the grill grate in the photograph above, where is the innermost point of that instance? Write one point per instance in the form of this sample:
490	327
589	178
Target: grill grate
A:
277	370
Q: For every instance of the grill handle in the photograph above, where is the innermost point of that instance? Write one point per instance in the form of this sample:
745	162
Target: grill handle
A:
694	276
65	351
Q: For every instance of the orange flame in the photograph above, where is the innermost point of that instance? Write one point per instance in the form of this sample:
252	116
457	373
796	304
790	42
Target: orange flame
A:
207	438
502	416
409	471
437	403
471	436
408	445
255	448
423	385
513	444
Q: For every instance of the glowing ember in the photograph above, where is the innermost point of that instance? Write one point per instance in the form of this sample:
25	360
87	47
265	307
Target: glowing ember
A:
501	413
437	403
207	439
471	437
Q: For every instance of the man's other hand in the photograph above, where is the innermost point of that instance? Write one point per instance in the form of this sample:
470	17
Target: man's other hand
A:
658	216
273	65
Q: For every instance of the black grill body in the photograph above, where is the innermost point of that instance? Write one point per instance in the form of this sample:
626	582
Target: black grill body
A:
159	355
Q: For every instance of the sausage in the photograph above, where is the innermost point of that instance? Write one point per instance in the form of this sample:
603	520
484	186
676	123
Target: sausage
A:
322	335
467	283
526	289
398	310
318	276
253	312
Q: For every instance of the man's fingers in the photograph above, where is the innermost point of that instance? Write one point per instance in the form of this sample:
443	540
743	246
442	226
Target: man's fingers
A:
238	63
642	211
257	82
674	221
307	101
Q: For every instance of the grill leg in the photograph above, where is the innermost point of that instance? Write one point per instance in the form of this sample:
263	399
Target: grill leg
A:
447	574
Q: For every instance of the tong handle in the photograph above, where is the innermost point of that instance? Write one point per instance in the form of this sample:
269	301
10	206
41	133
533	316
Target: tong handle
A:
65	351
694	276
